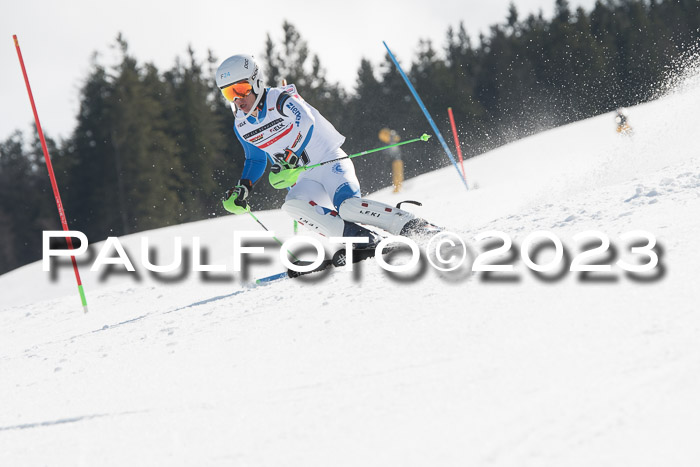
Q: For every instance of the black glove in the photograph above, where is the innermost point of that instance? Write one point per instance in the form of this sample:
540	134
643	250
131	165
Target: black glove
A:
238	194
291	158
288	161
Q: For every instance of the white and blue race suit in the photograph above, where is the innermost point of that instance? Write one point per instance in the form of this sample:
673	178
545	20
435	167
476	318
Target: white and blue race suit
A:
285	121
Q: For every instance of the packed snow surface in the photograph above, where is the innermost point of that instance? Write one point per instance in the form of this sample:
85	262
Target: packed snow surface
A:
364	367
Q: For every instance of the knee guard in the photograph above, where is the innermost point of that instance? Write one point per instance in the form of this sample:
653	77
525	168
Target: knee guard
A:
367	211
325	221
318	219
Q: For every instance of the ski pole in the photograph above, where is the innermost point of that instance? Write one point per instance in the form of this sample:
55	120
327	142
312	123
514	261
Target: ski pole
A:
272	161
275	238
288	177
423	137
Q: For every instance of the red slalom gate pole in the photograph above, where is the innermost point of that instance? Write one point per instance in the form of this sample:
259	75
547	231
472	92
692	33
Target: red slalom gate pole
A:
454	132
49	167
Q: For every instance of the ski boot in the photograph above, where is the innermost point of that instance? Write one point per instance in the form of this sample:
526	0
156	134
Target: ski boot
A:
360	251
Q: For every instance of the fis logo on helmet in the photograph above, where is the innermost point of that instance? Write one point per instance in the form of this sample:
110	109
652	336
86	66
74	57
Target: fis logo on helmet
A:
225	75
295	111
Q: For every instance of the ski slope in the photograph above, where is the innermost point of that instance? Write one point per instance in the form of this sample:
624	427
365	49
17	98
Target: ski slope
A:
365	368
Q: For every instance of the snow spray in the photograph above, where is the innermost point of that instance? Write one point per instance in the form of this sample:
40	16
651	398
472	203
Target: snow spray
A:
427	114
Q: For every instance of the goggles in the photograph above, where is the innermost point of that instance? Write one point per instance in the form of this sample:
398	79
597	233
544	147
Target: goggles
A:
239	89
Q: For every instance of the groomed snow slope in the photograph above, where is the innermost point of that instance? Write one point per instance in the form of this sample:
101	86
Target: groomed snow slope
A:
365	369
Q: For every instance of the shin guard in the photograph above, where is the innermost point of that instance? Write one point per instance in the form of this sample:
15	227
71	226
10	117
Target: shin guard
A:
367	211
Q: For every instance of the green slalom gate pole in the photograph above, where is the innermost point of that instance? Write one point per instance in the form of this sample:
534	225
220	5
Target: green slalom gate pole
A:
288	177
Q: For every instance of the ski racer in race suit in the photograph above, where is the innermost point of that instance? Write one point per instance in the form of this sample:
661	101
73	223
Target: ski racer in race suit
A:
275	124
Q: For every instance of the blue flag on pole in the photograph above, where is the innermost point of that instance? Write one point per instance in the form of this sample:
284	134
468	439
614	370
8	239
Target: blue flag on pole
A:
427	115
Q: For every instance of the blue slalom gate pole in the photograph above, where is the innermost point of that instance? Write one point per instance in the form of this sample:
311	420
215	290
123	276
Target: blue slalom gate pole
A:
427	115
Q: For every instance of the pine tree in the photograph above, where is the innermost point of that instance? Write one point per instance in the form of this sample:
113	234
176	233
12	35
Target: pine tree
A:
27	205
148	169
198	135
94	187
295	63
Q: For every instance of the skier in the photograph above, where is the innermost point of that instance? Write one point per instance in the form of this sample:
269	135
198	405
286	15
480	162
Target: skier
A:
276	124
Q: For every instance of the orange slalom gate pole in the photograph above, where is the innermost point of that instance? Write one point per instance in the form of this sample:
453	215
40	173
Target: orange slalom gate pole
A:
454	132
49	167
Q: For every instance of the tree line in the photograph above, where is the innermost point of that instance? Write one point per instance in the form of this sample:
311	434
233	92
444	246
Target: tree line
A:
153	148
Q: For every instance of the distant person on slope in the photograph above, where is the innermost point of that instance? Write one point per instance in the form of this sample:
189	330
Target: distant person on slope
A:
277	124
623	126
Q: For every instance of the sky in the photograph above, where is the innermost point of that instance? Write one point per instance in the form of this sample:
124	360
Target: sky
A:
58	39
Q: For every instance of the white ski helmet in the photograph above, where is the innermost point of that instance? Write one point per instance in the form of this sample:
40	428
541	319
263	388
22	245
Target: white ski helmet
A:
238	68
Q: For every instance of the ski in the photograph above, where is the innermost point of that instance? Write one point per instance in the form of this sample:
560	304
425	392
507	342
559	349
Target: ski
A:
339	259
324	265
358	254
416	228
290	274
272	278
